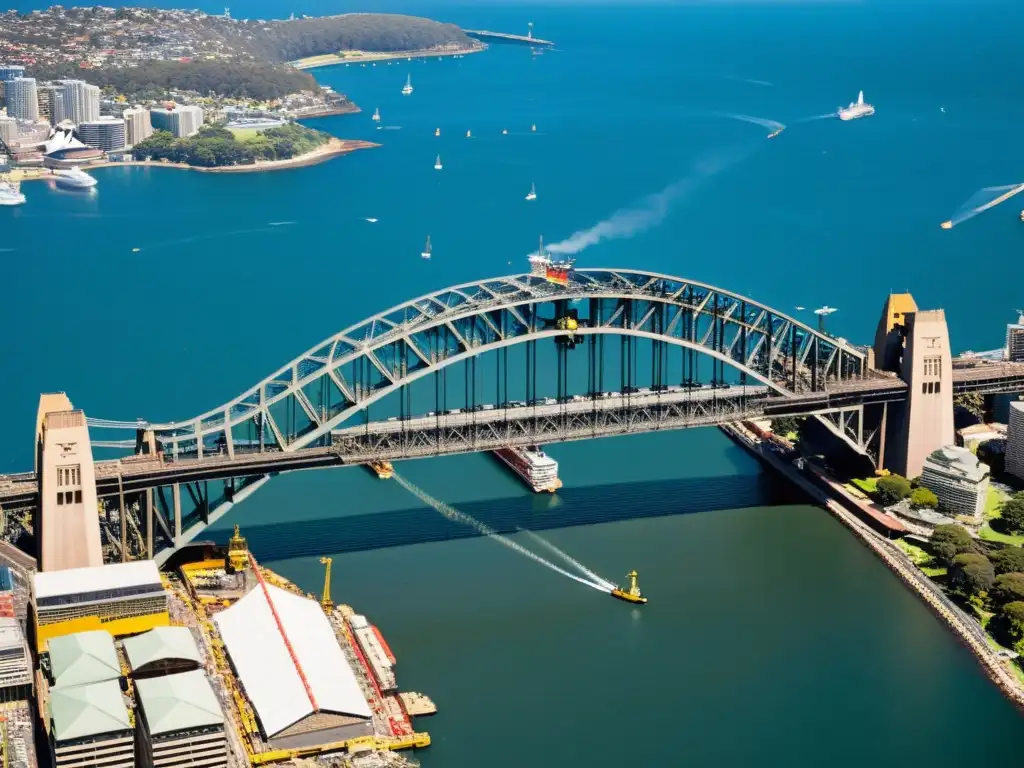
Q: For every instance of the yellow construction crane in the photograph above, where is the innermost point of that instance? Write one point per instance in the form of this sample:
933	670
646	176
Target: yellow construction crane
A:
325	601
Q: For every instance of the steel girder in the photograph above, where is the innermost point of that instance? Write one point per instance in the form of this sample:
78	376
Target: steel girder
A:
299	404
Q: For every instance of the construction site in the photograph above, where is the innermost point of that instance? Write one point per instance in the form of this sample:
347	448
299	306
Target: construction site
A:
299	680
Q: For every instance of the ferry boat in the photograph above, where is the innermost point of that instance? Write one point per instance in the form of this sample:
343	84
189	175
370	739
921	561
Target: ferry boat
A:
469	134
542	265
10	193
532	194
536	468
427	250
376	115
74	178
383	469
437	131
504	131
775	133
631	595
437	164
856	109
407	88
533	127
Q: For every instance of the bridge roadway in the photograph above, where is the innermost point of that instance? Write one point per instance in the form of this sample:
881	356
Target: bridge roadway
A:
460	432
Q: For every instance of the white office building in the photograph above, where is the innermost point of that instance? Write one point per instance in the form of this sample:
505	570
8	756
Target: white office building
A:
22	102
137	125
106	133
1015	341
81	101
8	129
1015	440
181	121
960	481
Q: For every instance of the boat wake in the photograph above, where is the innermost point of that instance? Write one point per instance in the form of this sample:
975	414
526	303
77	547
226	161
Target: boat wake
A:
450	513
771	125
750	80
571	561
981	201
279	223
651	210
826	116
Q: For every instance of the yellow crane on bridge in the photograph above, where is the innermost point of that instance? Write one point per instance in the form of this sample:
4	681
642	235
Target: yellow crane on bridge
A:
325	602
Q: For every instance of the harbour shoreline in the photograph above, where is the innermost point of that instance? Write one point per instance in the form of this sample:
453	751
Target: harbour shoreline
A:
367	57
897	561
332	149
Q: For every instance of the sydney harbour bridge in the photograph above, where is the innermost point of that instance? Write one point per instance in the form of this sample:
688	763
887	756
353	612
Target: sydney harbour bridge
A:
513	360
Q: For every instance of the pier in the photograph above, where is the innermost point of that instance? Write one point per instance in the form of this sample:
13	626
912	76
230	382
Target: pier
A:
506	37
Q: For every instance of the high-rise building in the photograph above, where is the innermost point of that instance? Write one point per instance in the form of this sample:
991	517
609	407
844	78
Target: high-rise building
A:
1015	440
959	480
11	71
81	101
22	102
137	126
181	121
8	129
1015	341
106	133
51	103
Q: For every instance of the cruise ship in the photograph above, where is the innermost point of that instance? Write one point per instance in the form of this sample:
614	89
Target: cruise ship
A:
10	193
542	265
535	467
74	178
857	109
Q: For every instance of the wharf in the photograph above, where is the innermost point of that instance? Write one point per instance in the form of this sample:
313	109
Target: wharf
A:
417	705
505	37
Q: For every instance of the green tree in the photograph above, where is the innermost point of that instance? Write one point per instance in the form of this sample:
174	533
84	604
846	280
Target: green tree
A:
784	425
1008	625
1011	512
971	574
1008	560
948	541
922	497
972	402
1008	588
892	489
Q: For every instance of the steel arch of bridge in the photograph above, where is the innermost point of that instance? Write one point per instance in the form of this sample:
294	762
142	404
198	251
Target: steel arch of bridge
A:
381	355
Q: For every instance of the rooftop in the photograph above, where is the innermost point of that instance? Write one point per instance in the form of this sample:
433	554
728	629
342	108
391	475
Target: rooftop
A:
955	460
95	579
268	674
83	658
161	644
88	710
179	702
10	634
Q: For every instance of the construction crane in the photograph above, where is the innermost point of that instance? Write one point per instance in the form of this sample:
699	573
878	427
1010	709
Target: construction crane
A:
325	601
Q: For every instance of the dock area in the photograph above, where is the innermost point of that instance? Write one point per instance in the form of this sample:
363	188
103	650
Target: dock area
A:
505	37
417	704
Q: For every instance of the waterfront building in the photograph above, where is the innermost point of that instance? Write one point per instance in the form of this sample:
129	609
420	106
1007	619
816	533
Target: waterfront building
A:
120	598
81	101
22	102
67	526
162	651
1015	341
960	481
180	723
1015	440
51	103
8	130
83	658
137	125
293	670
15	662
90	726
179	120
106	133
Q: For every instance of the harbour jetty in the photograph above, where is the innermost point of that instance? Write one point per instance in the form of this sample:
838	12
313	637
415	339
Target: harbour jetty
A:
506	37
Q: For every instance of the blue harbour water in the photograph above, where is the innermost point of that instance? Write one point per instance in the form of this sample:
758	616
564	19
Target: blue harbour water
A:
772	637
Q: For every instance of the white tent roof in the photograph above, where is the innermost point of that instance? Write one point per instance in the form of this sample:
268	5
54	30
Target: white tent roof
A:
269	675
99	578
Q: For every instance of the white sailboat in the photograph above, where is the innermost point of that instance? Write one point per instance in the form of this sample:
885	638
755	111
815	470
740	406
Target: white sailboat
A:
437	164
533	127
427	249
376	115
469	134
504	131
532	195
407	88
437	131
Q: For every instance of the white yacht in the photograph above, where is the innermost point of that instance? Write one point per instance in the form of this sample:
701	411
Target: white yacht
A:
469	134
10	193
376	115
437	164
74	178
427	250
856	109
407	88
437	131
533	128
532	194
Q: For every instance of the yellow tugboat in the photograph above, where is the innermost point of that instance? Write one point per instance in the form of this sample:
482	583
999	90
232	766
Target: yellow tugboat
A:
383	469
631	595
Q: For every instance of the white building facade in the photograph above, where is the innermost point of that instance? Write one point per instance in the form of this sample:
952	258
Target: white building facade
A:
22	102
181	121
81	101
137	126
106	133
960	481
1015	440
